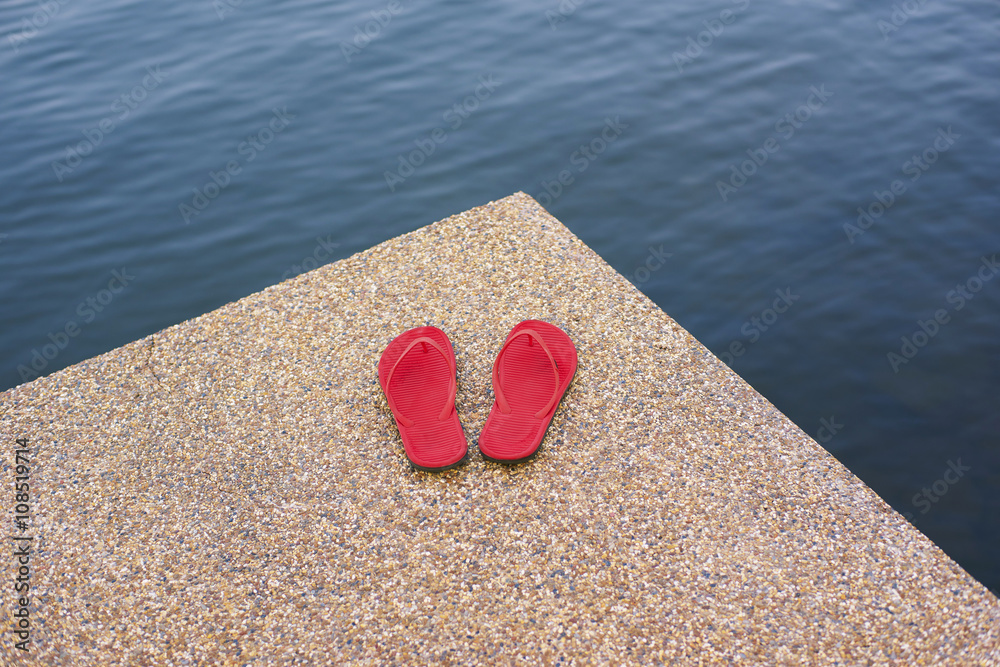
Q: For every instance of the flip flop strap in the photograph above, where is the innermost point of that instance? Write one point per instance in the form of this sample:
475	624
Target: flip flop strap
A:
501	399
452	386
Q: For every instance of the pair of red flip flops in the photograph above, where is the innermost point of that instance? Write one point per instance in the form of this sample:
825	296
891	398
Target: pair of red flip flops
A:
530	375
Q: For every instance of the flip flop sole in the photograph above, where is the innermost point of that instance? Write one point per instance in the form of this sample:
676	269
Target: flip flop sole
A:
454	465
411	371
534	454
523	382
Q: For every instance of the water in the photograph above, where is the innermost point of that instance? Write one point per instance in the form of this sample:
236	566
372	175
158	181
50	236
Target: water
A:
186	90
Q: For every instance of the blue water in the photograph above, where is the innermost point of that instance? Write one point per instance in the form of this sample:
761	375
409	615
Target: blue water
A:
117	113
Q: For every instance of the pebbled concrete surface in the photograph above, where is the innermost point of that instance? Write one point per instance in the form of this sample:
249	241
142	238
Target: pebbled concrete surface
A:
232	490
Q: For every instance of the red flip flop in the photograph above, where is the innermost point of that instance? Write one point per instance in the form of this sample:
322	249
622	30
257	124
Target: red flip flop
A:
417	372
530	375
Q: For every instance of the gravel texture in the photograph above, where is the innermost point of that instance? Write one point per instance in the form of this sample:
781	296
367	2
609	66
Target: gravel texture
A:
232	490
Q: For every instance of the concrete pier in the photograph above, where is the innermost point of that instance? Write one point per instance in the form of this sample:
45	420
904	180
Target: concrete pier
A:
232	490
